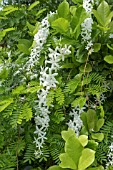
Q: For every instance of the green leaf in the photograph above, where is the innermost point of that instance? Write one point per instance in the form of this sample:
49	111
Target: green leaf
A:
24	45
92	145
97	168
85	68
33	5
67	134
56	167
83	140
69	65
61	25
77	1
91	119
96	47
86	159
79	101
73	150
67	161
76	23
102	14
111	48
99	124
109	59
63	9
98	136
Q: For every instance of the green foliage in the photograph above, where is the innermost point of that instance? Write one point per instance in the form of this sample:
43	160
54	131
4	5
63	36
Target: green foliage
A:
84	84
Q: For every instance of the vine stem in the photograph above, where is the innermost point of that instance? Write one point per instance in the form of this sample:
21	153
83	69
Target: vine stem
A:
17	148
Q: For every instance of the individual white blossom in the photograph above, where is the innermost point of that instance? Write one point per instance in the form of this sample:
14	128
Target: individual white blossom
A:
110	156
76	123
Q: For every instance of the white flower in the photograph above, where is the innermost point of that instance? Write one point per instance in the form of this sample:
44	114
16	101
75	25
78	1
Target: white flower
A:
87	5
110	156
76	123
111	36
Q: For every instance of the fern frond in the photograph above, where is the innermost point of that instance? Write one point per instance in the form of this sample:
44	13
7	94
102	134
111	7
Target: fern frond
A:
5	103
46	153
56	149
29	154
50	98
59	95
27	112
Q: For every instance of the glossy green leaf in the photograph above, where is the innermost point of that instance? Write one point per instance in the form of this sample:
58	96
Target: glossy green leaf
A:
91	119
67	134
63	9
86	159
98	136
99	124
67	161
73	150
96	47
61	25
83	140
109	59
102	13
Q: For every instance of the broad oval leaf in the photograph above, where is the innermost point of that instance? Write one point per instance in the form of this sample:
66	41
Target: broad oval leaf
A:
86	159
109	59
98	136
67	161
85	68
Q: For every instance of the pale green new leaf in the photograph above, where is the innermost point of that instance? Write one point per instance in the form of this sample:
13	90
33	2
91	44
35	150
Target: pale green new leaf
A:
67	161
86	159
98	136
83	140
109	59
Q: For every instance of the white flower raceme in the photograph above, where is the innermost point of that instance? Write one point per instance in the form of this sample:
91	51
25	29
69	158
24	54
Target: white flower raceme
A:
86	32
87	5
87	26
110	156
47	80
39	40
76	123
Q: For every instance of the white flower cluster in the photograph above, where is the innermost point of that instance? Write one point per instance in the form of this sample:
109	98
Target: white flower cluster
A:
87	26
76	123
111	36
47	80
110	156
87	5
39	40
